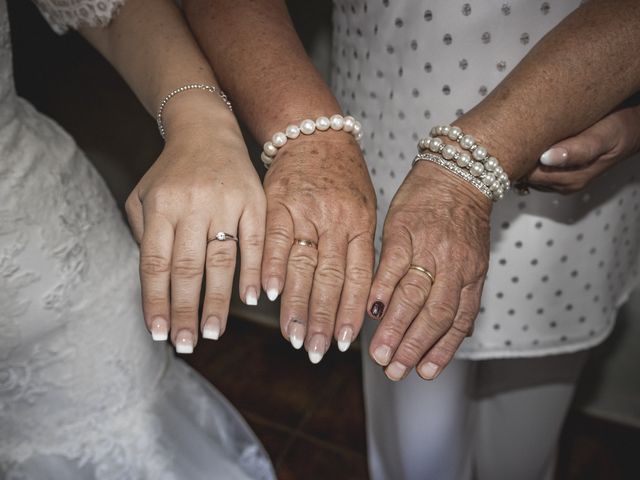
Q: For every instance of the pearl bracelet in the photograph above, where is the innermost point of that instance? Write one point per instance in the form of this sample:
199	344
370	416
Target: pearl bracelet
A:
453	167
479	163
336	122
192	86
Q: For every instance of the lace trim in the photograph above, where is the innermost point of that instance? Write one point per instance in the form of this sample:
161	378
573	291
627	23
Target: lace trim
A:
64	14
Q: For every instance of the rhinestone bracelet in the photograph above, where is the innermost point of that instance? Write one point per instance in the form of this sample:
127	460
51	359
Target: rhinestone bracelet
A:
463	173
336	122
192	86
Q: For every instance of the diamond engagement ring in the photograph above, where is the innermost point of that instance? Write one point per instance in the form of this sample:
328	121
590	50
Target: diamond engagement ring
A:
222	236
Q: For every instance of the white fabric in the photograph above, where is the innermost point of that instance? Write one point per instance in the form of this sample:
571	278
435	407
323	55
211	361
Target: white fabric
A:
560	265
84	391
487	420
65	14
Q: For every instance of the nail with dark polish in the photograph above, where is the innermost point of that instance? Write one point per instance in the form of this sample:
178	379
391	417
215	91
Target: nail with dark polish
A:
376	309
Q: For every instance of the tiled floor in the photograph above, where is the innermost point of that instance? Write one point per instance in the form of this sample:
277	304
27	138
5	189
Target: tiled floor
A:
311	417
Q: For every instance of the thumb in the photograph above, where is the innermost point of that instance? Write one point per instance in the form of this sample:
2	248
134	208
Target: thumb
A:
581	150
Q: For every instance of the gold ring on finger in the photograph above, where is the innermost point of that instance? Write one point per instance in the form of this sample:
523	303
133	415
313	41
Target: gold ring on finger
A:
221	237
423	270
306	243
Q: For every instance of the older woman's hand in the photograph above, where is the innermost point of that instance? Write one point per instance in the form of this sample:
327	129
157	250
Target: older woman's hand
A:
319	191
570	165
440	223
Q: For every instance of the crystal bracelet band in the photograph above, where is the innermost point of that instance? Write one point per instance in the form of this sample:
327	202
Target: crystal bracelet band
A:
336	122
460	172
490	174
479	153
184	88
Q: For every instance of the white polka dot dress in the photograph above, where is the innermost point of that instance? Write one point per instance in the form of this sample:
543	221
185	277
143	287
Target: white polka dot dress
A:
560	265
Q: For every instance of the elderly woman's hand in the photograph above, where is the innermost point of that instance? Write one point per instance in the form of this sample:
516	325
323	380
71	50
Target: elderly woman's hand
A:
570	165
319	192
439	223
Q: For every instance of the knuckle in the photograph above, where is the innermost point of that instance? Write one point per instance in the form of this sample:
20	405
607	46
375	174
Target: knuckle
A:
184	309
330	274
359	275
221	258
412	294
410	351
278	234
304	262
440	313
322	318
152	265
252	240
186	267
216	298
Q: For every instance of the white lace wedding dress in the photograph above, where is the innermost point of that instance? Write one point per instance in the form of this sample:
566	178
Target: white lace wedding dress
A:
84	392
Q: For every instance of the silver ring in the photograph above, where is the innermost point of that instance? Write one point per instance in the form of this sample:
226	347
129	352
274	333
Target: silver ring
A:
306	243
423	270
222	236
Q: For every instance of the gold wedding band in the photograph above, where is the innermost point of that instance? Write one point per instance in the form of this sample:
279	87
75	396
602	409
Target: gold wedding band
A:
423	270
221	237
306	243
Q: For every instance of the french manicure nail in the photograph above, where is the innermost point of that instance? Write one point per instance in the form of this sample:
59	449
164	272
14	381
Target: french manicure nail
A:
345	337
317	347
376	309
554	157
396	371
382	355
211	329
184	342
429	370
295	330
251	297
159	329
273	289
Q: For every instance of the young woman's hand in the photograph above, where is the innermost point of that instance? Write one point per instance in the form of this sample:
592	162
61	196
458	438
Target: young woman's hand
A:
202	184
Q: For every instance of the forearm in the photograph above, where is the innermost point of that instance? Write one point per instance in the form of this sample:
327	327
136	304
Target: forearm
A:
153	49
579	72
261	62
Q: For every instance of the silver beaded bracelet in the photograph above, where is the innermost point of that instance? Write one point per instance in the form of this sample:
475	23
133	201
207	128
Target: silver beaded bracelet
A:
336	122
192	86
479	163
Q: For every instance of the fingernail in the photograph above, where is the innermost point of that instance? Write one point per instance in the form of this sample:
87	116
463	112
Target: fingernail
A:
251	297
211	329
317	347
554	157
429	370
159	329
184	342
345	338
273	288
382	355
295	330
376	309
396	371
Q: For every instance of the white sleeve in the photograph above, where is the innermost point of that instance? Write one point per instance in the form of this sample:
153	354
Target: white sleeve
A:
64	14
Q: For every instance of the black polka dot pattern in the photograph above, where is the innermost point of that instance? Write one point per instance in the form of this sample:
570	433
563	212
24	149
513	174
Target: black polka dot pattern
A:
559	265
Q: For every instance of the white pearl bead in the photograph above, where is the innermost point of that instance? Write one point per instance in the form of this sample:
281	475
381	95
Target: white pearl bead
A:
500	191
423	144
464	160
476	169
337	122
467	142
491	164
270	149
358	136
357	128
266	159
448	152
445	130
349	122
292	131
498	170
434	145
308	126
488	179
503	177
433	132
480	153
323	124
494	186
279	139
454	133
